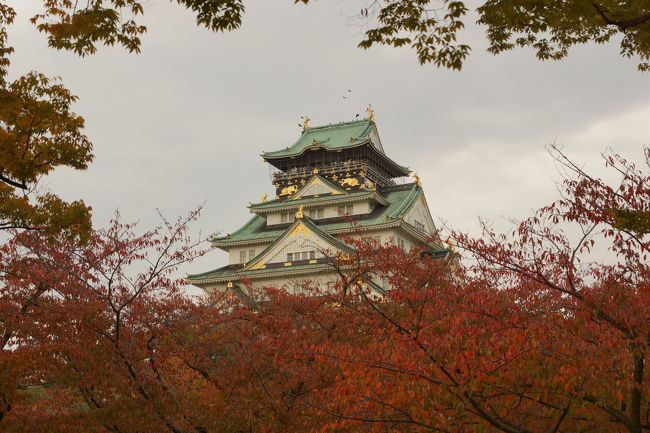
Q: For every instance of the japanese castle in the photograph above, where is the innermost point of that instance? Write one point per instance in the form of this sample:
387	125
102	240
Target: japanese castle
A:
334	183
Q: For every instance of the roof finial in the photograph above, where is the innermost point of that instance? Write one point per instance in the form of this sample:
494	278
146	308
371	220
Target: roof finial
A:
265	196
371	113
417	179
299	213
305	123
450	244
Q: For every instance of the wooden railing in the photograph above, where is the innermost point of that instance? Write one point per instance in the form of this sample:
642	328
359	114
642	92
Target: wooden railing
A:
335	168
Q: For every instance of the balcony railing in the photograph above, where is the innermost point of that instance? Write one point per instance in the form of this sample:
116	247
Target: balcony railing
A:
335	168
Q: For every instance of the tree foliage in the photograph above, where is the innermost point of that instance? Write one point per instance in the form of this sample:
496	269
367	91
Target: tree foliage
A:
430	27
38	133
532	332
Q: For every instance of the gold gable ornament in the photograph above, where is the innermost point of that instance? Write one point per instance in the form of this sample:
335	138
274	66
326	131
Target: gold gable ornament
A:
265	197
371	113
315	171
299	213
418	181
305	123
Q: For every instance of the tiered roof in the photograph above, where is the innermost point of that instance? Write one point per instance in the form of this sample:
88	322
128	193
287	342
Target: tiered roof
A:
337	137
399	200
393	203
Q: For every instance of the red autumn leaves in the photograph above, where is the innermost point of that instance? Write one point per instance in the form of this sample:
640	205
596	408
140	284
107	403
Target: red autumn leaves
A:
532	331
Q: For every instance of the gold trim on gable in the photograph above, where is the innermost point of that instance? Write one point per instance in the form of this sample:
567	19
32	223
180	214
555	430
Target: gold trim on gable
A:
300	228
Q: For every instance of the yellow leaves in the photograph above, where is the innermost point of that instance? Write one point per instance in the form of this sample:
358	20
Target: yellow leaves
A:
39	133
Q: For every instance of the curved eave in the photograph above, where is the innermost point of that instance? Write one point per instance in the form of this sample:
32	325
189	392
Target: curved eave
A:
218	243
328	200
360	135
294	154
352	228
250	222
281	272
309	225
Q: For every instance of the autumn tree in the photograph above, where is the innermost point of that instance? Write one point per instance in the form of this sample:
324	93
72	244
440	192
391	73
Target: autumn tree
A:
102	337
87	329
536	332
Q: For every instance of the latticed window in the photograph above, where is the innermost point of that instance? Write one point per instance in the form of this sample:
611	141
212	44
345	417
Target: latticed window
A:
289	257
242	256
345	210
251	254
317	213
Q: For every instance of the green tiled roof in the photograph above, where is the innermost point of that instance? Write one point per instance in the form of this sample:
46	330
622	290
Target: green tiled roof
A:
337	136
279	203
307	222
232	271
400	198
332	137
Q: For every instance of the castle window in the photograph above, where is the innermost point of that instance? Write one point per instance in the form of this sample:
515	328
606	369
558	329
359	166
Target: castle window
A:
289	257
312	255
316	213
251	254
284	218
345	210
242	256
305	255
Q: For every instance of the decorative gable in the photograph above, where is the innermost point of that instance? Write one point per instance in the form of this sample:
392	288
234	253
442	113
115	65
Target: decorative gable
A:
302	241
317	186
420	217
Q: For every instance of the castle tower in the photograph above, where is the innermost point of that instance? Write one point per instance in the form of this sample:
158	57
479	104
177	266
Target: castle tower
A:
334	180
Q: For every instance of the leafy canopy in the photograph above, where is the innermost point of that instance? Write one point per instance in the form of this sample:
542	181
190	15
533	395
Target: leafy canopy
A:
38	132
430	27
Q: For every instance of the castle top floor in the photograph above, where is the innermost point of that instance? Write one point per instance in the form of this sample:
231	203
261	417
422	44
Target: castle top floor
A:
335	151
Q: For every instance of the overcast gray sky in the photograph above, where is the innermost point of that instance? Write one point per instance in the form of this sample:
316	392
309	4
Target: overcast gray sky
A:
185	121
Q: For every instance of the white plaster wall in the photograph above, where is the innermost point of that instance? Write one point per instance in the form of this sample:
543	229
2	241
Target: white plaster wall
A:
295	243
387	237
233	253
274	218
296	284
419	212
358	208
